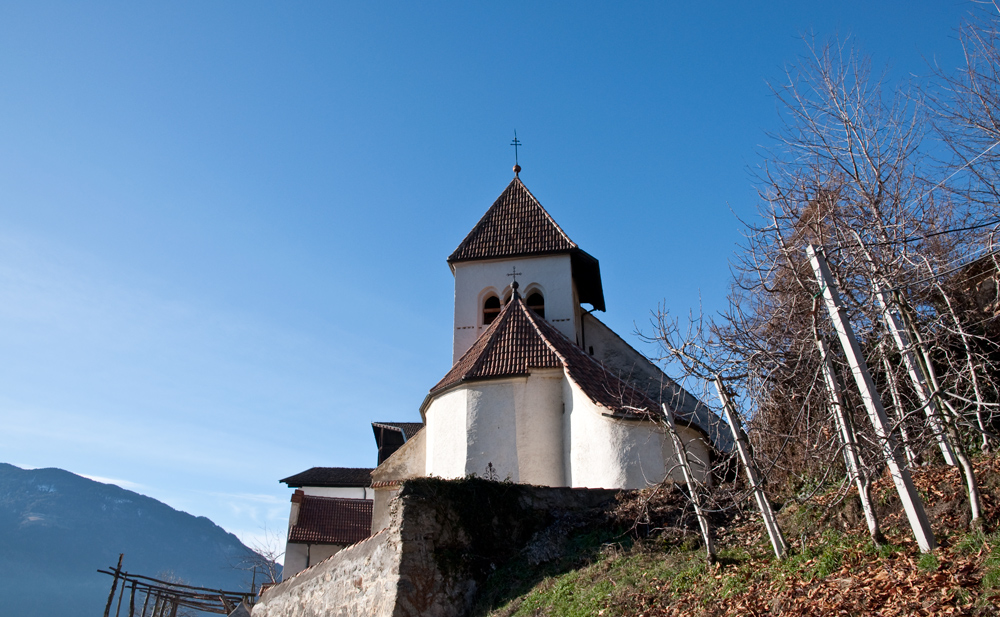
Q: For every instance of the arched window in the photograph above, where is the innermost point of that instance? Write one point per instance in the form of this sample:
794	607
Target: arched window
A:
536	303
491	308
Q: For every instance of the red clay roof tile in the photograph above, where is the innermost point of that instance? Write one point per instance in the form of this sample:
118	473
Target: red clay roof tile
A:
331	476
519	340
332	520
516	224
510	346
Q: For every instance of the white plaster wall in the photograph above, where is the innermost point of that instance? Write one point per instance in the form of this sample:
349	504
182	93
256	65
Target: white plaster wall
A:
553	274
491	427
299	556
608	453
539	429
409	461
295	560
445	427
321	552
612	351
515	424
593	443
698	454
641	456
347	492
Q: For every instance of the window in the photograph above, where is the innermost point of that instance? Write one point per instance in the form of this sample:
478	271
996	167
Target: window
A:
536	303
491	308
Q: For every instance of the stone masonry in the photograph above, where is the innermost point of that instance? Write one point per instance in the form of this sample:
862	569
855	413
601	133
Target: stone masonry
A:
443	540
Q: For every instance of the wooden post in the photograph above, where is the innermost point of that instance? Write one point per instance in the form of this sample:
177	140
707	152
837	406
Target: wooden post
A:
173	609
905	346
121	592
114	585
852	456
131	601
694	488
743	447
226	603
912	504
145	603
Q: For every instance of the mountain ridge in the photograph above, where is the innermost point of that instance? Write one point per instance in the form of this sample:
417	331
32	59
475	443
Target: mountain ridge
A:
58	528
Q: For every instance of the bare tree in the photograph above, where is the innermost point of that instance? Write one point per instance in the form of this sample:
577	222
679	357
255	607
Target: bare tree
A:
261	558
848	170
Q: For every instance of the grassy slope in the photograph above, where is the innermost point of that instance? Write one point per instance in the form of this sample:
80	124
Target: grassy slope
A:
833	569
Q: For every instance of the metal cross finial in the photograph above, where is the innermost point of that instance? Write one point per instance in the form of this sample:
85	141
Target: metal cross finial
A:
513	272
515	143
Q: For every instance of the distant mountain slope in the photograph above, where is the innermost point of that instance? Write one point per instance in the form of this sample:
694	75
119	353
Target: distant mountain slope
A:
58	528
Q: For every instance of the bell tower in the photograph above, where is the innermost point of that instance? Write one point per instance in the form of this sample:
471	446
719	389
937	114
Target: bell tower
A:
518	240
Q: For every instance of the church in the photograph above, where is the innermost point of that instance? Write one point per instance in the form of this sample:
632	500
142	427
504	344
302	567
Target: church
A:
539	390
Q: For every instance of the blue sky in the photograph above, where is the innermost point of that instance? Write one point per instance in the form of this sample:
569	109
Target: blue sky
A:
223	226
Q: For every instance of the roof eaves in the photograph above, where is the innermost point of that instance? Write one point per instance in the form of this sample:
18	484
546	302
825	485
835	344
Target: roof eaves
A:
567	368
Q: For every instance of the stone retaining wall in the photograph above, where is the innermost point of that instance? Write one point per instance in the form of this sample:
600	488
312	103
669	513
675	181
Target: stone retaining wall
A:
443	540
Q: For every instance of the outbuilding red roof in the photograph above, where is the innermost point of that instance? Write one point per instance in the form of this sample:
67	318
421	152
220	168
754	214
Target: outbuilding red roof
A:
331	476
332	520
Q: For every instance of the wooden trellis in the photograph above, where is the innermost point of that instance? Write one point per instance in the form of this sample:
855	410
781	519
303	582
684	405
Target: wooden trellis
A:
161	598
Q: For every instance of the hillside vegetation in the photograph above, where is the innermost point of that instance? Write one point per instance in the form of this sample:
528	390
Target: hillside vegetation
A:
658	568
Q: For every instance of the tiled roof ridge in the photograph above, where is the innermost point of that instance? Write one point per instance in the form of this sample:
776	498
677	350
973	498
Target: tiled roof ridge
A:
486	358
399	426
568	365
602	386
479	347
478	243
331	476
545	212
491	341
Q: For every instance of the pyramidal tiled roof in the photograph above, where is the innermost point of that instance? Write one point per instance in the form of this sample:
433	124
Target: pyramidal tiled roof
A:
516	224
519	340
511	346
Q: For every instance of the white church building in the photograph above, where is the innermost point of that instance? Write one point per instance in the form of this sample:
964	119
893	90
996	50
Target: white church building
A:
539	391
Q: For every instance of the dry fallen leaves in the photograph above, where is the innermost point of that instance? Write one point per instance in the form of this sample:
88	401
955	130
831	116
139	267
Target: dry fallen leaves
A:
890	586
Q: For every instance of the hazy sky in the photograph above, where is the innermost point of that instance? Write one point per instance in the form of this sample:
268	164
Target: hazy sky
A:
223	225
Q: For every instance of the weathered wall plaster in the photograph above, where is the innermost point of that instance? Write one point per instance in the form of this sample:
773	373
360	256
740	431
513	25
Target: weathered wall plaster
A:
445	427
612	351
409	461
